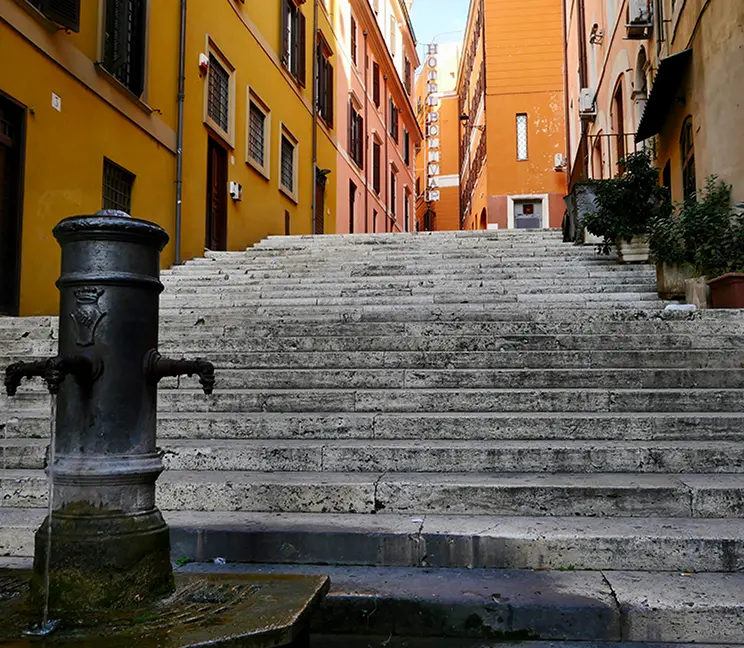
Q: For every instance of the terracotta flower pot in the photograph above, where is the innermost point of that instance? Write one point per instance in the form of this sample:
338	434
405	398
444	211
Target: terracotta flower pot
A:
634	251
727	291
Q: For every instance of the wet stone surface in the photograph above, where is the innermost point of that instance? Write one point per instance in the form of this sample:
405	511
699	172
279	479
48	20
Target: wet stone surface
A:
248	610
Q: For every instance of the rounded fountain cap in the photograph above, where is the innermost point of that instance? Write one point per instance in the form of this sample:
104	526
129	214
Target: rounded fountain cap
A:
110	224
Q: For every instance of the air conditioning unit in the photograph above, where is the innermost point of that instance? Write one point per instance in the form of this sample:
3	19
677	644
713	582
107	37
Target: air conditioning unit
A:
639	23
587	107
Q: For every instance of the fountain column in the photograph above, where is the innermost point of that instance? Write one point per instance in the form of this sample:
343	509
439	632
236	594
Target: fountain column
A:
110	545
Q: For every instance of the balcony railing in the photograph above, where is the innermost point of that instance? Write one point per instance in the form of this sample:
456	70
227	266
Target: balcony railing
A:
603	153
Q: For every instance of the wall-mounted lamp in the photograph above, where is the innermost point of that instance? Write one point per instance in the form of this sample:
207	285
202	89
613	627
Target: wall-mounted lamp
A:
465	120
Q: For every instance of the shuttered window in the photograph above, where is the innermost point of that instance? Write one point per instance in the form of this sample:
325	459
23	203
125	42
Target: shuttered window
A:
408	76
356	135
354	40
294	40
325	81
406	147
393	194
65	13
393	120
118	184
288	164
376	155
218	99
257	134
124	43
376	84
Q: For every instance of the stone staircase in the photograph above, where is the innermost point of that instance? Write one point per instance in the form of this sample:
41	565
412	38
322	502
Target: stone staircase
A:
493	400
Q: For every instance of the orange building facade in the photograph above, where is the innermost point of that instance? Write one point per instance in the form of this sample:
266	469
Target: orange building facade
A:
437	159
511	89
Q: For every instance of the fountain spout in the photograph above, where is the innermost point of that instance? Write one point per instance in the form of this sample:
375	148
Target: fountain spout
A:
158	367
85	367
15	373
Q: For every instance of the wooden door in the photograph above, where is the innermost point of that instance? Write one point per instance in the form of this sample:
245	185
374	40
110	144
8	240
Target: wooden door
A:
12	122
216	197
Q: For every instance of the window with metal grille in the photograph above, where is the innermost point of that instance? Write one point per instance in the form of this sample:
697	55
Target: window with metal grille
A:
522	137
117	187
257	134
288	163
124	43
218	100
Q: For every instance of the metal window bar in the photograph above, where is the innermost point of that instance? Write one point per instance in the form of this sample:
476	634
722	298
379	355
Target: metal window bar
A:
256	141
218	101
117	187
287	164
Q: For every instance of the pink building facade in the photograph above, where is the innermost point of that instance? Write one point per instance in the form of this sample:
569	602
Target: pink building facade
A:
375	120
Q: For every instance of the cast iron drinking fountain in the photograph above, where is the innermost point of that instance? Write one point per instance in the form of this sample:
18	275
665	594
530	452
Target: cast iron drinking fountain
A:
102	572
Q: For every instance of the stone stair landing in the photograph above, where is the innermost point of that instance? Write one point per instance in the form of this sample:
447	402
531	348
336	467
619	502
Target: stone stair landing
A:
491	400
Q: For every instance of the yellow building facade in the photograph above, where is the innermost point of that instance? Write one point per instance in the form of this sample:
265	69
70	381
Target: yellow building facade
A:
90	112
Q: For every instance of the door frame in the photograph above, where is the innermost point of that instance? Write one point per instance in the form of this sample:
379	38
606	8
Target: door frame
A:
16	297
510	200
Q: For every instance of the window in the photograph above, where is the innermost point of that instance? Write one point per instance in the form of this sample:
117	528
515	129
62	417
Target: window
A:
407	207
293	39
353	33
376	156
352	206
288	165
374	221
393	195
356	135
687	149
393	35
393	120
406	147
117	187
376	84
522	137
259	130
407	77
65	13
325	81
218	97
124	42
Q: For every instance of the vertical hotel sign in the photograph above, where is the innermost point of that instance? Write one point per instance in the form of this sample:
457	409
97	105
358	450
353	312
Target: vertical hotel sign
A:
433	126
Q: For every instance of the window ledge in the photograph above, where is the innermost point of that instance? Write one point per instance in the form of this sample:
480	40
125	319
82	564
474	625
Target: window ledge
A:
51	26
289	194
103	72
262	171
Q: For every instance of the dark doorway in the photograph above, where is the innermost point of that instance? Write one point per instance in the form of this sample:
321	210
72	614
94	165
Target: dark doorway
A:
216	196
352	206
12	125
321	178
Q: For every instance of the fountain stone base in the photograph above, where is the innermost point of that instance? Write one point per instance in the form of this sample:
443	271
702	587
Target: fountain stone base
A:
251	611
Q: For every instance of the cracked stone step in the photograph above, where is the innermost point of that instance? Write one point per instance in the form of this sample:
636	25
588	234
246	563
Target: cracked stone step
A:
484	542
527	456
653	426
586	495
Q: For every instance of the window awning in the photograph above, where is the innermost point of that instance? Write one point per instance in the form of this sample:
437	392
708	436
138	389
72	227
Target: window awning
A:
668	77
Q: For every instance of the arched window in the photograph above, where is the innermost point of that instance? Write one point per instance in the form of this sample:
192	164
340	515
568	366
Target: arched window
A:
687	150
618	122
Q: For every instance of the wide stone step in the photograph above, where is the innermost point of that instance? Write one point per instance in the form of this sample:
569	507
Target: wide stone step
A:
591	426
442	541
367	455
581	495
429	400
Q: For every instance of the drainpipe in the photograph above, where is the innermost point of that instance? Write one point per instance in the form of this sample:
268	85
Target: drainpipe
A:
314	174
565	96
386	110
179	135
366	129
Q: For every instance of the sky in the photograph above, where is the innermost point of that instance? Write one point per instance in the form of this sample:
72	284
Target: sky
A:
433	20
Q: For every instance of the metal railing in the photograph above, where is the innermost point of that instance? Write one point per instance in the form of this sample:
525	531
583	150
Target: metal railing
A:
604	152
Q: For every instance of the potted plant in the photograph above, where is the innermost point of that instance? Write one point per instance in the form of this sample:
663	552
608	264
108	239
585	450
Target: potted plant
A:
669	250
625	207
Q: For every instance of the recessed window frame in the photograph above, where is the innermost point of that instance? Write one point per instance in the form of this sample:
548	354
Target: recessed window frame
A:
253	100
111	167
293	193
227	135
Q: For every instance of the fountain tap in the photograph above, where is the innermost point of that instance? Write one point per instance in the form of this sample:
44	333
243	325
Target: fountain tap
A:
15	373
85	367
158	367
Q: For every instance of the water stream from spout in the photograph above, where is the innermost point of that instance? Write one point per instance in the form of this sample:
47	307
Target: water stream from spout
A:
48	626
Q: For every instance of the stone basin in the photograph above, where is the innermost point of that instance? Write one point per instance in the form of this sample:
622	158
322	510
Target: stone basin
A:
250	611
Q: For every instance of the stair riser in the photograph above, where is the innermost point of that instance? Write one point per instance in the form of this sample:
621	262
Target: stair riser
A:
417	499
396	426
273	457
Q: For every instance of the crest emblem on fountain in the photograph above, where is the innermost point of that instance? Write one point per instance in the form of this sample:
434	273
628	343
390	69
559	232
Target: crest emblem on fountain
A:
87	314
